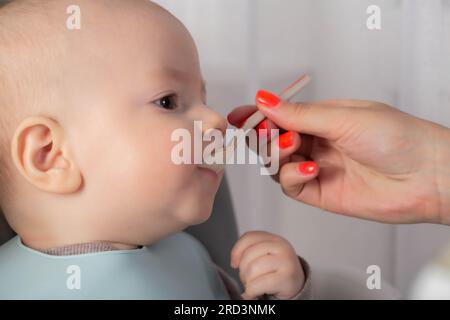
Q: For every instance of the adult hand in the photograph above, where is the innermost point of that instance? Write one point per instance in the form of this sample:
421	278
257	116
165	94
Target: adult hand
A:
370	160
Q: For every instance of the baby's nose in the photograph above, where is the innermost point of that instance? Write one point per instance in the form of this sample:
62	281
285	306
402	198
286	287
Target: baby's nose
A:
214	120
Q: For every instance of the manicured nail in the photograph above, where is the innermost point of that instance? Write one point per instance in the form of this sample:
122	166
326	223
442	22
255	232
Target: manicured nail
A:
286	140
264	125
308	168
241	124
267	99
229	117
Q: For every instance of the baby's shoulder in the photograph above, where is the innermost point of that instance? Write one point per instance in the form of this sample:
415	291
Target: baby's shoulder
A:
8	251
187	242
184	238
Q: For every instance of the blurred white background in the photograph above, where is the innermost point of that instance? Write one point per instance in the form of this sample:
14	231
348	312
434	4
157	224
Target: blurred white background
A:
246	45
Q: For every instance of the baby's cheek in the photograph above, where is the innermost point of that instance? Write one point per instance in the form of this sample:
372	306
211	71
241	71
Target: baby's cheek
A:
152	175
134	162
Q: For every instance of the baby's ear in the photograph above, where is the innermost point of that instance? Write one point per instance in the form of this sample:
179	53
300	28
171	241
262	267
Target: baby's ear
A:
41	153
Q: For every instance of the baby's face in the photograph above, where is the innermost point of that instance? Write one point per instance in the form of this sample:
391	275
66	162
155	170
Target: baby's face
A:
135	78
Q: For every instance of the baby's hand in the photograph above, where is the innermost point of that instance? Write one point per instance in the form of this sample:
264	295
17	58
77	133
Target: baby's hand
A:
267	264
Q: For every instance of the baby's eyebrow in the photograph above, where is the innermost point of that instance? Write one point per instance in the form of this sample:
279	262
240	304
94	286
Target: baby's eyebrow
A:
181	75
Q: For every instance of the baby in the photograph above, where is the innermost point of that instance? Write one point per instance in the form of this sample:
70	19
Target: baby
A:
86	174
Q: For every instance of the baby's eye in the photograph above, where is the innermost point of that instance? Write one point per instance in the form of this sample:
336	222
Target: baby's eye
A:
168	102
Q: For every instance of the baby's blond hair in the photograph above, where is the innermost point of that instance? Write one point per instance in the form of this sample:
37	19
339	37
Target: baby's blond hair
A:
27	51
5	103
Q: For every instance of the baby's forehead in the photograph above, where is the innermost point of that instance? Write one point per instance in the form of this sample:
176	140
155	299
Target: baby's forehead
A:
97	16
181	76
117	40
149	42
109	29
129	28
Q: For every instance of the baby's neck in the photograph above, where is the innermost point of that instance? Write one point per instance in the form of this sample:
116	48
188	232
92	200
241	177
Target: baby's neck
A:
62	247
46	239
85	248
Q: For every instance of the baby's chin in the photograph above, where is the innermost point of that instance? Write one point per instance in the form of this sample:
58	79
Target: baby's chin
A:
198	214
199	208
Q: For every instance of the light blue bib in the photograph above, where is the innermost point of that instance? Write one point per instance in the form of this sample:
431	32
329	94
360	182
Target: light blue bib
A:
177	267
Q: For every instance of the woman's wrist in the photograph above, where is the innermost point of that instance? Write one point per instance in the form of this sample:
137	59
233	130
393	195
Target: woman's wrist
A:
442	172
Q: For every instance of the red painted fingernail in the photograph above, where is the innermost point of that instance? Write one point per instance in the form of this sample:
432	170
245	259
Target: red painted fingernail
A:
286	140
241	124
229	117
308	168
264	125
267	99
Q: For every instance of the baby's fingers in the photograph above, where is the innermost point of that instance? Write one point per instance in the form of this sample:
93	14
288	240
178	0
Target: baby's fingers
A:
259	267
252	254
266	284
247	240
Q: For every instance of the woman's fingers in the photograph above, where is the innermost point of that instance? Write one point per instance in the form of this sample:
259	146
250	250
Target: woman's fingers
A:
298	181
238	116
354	103
268	126
297	158
284	145
264	129
324	120
281	149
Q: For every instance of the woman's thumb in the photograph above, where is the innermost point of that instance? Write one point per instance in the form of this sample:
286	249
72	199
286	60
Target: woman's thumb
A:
308	118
